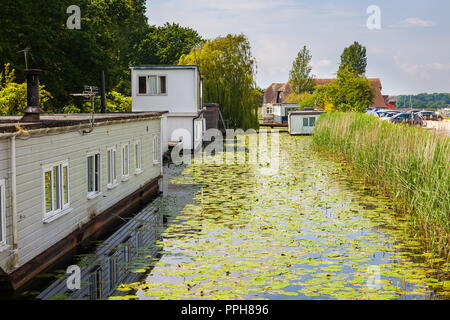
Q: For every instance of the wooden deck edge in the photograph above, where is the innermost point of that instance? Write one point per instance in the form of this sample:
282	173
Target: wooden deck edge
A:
95	230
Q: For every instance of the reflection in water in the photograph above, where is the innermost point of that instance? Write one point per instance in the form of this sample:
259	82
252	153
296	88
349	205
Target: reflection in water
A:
123	257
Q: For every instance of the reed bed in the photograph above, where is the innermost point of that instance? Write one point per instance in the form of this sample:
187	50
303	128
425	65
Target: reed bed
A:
409	163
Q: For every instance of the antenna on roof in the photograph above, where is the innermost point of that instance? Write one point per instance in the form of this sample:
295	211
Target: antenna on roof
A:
25	53
89	93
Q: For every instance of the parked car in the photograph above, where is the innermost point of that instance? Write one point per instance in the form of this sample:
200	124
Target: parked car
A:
389	114
431	115
408	118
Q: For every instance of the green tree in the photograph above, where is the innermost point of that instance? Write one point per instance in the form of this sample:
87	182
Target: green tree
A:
165	44
229	68
349	93
72	58
13	96
354	59
300	77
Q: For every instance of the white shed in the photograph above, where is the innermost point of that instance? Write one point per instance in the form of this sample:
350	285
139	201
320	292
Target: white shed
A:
303	122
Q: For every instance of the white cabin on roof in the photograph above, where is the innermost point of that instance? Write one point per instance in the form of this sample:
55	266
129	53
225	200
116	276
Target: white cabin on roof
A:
178	90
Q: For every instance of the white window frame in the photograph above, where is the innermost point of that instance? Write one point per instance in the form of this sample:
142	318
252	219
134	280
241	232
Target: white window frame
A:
64	206
269	110
111	153
95	193
156	150
2	214
158	84
125	175
138	156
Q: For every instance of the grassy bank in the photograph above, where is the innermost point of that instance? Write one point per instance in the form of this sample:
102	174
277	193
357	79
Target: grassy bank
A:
409	163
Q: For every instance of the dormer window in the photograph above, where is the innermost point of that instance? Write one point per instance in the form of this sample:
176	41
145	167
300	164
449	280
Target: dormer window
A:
279	97
152	85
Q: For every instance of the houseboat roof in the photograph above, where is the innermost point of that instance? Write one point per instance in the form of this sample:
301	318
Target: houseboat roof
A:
164	67
307	112
12	124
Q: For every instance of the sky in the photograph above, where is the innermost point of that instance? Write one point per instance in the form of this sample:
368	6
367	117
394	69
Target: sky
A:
410	53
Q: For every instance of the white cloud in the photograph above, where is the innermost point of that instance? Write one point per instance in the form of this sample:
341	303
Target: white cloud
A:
415	22
322	63
425	71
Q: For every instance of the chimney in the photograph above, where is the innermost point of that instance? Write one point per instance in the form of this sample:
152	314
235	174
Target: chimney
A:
32	112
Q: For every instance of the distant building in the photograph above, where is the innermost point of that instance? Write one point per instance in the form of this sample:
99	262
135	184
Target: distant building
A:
178	90
277	93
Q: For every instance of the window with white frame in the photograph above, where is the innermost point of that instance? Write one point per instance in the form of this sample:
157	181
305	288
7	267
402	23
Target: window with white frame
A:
156	148
93	171
112	167
56	188
138	156
2	214
152	85
269	110
125	160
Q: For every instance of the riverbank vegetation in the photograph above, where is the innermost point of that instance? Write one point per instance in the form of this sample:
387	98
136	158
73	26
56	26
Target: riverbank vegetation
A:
409	163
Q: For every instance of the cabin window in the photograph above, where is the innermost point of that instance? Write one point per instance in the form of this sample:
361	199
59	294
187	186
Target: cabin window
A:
279	97
56	188
162	85
2	214
113	271
138	156
142	85
269	110
125	161
95	285
312	122
93	163
156	149
112	167
152	85
305	122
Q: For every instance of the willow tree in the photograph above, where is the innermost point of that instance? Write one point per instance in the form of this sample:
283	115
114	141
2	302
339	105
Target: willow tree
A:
228	69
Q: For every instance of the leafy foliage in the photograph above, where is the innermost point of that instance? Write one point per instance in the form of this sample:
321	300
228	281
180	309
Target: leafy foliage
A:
349	92
165	44
354	59
13	96
300	77
115	102
228	69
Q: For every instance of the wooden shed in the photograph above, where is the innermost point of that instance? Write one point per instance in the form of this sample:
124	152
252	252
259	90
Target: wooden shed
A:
303	122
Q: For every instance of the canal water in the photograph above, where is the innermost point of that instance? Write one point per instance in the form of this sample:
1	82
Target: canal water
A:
310	230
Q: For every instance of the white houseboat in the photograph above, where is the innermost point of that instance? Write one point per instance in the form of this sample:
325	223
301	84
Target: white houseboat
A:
68	179
178	90
303	122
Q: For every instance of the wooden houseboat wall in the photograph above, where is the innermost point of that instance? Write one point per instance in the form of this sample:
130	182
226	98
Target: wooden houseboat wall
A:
57	208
